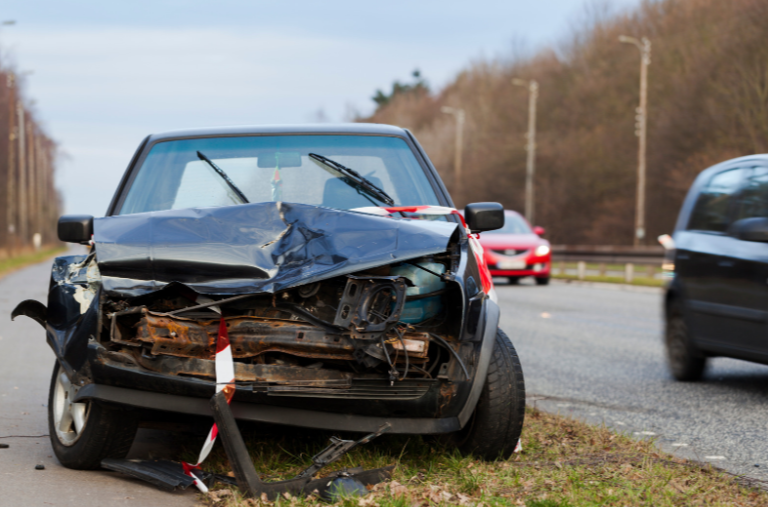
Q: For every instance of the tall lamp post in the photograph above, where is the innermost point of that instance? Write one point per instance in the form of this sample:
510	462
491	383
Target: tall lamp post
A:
459	115
10	180
644	45
530	166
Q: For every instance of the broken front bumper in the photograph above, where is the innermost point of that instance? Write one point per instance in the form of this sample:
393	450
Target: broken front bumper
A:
119	382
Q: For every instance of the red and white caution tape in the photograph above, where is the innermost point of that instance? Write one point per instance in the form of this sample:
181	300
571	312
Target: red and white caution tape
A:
225	381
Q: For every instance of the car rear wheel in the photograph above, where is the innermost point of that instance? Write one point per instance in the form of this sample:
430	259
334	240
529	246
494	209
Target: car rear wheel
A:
82	434
495	426
685	361
542	281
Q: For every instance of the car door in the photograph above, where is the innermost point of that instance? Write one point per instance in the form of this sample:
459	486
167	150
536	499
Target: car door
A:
705	263
745	270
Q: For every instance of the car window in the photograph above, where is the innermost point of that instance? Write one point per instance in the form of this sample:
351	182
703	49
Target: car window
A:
513	224
753	198
276	168
713	208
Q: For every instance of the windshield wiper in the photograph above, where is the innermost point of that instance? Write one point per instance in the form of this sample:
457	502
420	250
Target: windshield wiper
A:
354	179
224	176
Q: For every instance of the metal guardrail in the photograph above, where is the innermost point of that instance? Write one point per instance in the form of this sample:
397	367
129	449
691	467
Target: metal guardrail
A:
608	254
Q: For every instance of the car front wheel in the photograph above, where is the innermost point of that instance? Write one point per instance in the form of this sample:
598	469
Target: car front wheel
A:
82	434
685	361
495	426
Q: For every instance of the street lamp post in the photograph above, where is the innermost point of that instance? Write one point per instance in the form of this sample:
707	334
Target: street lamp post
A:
10	180
459	115
530	166
644	45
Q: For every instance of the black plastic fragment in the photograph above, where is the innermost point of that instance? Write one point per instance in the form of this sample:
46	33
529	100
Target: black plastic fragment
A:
249	482
166	475
245	473
4	446
39	467
35	310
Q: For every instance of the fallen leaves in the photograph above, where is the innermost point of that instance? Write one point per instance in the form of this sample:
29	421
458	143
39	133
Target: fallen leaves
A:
596	467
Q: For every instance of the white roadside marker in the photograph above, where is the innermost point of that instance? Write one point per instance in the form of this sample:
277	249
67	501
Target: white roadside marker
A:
679	444
647	433
714	458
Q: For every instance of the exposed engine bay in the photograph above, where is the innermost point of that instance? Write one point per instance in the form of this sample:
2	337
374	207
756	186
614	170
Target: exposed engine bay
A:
326	339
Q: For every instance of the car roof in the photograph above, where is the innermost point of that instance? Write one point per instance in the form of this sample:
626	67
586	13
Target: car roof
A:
760	157
320	128
704	176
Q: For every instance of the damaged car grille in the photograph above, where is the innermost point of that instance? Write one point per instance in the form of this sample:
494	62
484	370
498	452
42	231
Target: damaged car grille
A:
341	338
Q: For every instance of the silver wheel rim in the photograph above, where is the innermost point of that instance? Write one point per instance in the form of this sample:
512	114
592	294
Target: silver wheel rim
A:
69	418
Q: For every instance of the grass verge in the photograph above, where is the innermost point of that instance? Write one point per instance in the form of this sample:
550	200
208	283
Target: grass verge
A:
647	282
564	462
12	264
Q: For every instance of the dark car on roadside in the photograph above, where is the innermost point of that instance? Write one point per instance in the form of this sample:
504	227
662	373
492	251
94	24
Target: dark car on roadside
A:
717	300
351	293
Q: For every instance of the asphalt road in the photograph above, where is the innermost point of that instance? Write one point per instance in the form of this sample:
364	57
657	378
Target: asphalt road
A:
589	351
595	352
26	363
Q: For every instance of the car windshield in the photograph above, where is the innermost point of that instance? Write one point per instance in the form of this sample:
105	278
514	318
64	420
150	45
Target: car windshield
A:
513	224
276	168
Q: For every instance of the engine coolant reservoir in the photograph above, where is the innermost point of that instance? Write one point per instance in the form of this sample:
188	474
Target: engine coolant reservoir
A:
423	308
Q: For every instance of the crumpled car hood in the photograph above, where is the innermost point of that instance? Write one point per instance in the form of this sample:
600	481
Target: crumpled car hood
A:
263	247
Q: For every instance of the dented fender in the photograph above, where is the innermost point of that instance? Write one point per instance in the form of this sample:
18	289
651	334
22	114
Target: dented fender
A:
72	314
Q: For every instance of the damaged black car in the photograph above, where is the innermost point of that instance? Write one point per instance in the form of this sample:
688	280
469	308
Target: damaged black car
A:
352	293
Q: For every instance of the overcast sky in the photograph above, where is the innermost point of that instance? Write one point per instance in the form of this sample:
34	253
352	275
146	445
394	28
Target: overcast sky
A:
107	73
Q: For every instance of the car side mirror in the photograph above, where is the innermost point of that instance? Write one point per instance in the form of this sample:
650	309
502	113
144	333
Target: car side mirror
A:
484	216
539	231
750	229
75	228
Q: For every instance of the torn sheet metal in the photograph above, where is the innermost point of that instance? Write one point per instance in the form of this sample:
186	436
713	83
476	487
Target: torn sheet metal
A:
73	308
263	247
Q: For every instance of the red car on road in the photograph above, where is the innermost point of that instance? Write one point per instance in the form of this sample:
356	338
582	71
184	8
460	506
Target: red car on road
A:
517	250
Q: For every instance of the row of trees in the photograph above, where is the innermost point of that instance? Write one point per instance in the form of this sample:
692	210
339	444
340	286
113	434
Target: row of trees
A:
707	96
29	202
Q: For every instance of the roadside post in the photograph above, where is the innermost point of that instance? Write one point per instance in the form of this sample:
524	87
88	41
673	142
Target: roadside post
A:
644	45
530	147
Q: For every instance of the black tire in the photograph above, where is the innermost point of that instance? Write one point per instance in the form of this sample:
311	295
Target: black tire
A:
513	280
108	432
495	426
542	281
684	360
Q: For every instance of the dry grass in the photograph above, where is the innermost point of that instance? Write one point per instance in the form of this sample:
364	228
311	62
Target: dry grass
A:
563	463
12	264
646	282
